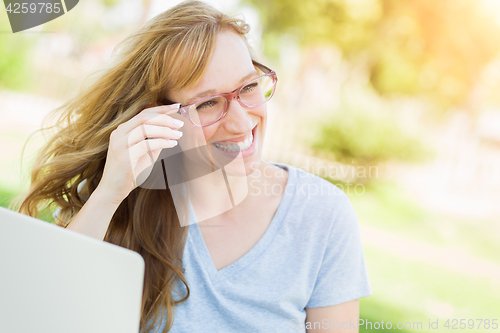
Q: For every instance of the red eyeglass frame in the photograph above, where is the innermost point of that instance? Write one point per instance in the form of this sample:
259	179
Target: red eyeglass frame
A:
184	109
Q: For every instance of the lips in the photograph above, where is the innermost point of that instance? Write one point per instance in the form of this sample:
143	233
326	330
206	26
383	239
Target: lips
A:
236	146
245	145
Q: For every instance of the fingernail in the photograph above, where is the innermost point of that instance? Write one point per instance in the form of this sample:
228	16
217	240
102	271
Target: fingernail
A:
178	122
172	142
178	133
175	106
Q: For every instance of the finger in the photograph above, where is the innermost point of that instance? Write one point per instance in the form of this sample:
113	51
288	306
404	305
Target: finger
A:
162	122
159	120
146	131
167	109
148	146
156	153
150	153
144	164
149	115
145	160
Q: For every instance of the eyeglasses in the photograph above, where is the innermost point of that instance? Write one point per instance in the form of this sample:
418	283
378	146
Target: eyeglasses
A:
208	110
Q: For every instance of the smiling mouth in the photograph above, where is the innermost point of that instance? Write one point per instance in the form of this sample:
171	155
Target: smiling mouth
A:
236	146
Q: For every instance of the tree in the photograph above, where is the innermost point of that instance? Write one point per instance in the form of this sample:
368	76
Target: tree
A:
433	49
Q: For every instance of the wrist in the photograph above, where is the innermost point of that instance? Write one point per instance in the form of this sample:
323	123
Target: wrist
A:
101	195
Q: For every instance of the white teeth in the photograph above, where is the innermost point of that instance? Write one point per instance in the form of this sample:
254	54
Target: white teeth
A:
238	146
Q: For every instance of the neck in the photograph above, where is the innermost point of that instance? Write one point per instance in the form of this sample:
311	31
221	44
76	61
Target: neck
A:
221	193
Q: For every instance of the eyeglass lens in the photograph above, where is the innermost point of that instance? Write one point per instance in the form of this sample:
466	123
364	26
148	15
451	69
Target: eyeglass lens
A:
252	94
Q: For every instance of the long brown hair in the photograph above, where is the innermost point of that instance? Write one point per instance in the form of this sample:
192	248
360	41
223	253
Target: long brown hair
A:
170	52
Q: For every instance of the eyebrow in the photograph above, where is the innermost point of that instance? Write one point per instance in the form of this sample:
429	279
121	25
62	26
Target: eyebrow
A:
214	92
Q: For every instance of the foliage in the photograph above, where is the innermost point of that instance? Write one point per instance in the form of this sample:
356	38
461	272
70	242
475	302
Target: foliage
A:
435	49
110	3
353	135
14	58
317	21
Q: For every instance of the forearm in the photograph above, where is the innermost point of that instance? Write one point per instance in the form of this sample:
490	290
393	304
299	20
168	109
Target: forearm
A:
94	217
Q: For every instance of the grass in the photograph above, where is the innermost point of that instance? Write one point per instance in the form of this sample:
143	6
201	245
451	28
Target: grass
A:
385	205
411	291
6	196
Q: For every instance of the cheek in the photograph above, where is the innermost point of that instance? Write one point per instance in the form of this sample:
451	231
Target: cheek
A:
193	136
258	114
261	112
209	132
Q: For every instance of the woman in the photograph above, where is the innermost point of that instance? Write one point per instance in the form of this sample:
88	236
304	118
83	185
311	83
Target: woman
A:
288	245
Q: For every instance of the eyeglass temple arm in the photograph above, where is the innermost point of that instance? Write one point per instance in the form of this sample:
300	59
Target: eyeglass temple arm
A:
263	67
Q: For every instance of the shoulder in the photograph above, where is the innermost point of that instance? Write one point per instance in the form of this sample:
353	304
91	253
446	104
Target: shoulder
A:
315	202
314	190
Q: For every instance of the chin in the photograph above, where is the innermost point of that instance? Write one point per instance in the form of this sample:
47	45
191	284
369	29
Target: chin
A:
241	168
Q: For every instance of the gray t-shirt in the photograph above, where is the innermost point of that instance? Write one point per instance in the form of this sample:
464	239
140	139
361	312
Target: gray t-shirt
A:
310	256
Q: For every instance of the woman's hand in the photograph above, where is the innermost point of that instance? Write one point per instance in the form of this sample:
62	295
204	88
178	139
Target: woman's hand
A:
134	147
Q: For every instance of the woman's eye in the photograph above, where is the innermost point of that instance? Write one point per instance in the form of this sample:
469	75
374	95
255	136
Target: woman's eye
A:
249	87
206	105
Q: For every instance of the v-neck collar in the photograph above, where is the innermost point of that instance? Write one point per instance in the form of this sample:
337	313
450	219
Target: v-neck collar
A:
199	243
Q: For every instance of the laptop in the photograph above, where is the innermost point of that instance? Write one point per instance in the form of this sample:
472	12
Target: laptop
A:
55	280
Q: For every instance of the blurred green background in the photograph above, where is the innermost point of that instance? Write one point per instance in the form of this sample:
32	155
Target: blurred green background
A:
396	102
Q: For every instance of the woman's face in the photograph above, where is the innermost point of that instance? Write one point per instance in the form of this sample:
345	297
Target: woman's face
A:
230	67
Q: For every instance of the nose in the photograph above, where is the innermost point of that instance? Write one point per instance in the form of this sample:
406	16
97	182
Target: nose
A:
237	119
